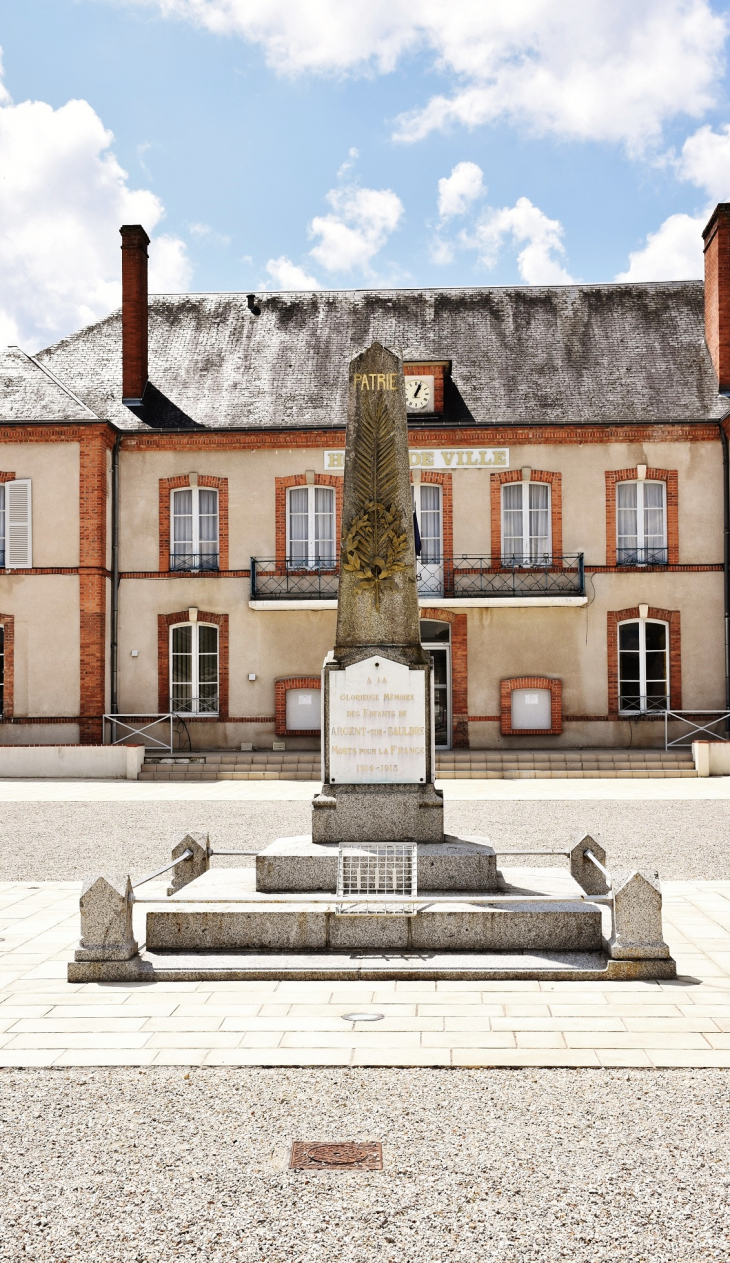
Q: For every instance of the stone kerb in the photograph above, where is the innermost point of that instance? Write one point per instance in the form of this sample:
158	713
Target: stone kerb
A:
199	862
637	931
106	919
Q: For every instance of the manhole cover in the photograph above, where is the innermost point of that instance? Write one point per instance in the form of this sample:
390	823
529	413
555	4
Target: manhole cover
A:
362	1017
348	1156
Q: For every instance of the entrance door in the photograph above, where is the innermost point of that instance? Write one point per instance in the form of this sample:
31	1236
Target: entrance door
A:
436	638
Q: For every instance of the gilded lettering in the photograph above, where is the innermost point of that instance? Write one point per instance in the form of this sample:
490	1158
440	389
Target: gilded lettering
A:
358	378
365	382
414	458
381	381
448	457
470	459
427	459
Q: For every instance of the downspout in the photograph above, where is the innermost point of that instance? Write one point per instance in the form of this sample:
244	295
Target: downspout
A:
726	562
114	654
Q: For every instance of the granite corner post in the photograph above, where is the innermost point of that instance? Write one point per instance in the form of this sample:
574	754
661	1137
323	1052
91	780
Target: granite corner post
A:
378	754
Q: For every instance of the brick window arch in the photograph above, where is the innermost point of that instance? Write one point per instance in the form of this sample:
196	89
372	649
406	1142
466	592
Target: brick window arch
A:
555	687
672	618
281	688
497	481
667	476
282	485
459	694
164	623
167	486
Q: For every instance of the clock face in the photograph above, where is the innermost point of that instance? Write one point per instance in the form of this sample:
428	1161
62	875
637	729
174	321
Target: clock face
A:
419	394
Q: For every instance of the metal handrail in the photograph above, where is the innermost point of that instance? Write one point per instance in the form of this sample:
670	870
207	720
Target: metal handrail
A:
186	855
683	716
311	897
590	856
135	730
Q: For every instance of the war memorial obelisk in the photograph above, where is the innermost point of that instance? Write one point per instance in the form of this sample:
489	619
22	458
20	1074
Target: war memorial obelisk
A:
378	758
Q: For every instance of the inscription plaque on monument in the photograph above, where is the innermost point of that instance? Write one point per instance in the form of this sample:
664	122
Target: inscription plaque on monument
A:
377	724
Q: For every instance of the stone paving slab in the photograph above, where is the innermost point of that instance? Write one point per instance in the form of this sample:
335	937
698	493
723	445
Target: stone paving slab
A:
46	1021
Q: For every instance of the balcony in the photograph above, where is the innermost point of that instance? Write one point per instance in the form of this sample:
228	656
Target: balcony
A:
471	579
641	557
193	561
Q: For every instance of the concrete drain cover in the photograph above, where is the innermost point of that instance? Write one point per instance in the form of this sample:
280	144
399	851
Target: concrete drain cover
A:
348	1156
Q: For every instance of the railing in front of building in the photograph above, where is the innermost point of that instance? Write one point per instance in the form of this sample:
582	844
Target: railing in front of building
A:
464	576
182	704
642	557
638	704
193	561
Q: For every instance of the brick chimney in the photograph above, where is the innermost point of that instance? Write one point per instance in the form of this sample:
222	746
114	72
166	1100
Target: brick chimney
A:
134	313
717	292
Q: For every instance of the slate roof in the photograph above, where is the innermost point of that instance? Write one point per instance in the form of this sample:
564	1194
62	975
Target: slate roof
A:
31	393
575	354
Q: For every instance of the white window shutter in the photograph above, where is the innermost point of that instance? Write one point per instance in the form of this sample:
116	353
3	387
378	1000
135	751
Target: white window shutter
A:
18	524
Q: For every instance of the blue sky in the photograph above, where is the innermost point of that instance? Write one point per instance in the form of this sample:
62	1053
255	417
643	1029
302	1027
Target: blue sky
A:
345	143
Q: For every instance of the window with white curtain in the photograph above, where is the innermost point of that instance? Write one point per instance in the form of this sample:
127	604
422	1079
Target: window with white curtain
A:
310	521
2	523
194	544
427	502
641	523
194	668
526	523
643	658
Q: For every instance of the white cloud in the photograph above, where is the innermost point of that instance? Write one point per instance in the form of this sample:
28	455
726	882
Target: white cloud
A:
63	197
289	276
584	69
705	161
539	260
672	253
358	227
459	190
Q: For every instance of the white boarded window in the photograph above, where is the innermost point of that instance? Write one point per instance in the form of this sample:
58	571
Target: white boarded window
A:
303	710
310	526
194	668
641	523
526	523
531	708
18	524
194	529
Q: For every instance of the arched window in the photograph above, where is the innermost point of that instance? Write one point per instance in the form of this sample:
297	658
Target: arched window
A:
641	523
526	535
194	668
310	526
643	658
194	529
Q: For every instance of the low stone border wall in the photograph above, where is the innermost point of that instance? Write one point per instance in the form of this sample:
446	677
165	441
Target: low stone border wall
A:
71	762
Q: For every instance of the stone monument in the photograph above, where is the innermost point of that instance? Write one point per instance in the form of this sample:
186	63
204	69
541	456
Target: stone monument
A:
378	757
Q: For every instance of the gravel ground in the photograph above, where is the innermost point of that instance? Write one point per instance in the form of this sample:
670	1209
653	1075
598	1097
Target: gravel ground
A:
101	1166
61	841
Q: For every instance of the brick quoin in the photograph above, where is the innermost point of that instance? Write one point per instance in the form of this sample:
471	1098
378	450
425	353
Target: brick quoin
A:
497	481
164	623
282	485
7	622
281	688
668	476
672	617
167	486
459	690
93	582
506	690
717	291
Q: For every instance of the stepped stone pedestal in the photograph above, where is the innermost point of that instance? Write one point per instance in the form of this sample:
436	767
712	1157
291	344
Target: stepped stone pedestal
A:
294	864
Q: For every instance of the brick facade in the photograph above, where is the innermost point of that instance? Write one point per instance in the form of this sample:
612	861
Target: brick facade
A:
437	371
167	486
497	481
281	688
668	476
506	690
93	583
7	622
164	623
717	292
282	485
459	677
672	617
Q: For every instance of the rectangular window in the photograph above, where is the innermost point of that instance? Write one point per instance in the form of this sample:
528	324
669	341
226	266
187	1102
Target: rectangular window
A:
526	523
18	524
430	567
2	524
311	527
2	669
194	529
643	646
641	524
194	669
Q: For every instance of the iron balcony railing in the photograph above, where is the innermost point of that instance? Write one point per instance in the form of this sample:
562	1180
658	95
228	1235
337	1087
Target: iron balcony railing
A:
641	557
181	703
642	704
464	576
193	561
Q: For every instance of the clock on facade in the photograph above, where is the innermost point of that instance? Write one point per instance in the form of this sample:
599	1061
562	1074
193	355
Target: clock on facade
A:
419	394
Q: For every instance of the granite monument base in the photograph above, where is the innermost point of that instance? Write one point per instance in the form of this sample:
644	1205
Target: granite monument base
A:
378	813
301	864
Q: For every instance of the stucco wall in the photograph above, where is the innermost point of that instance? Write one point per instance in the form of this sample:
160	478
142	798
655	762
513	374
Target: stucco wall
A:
54	471
46	650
